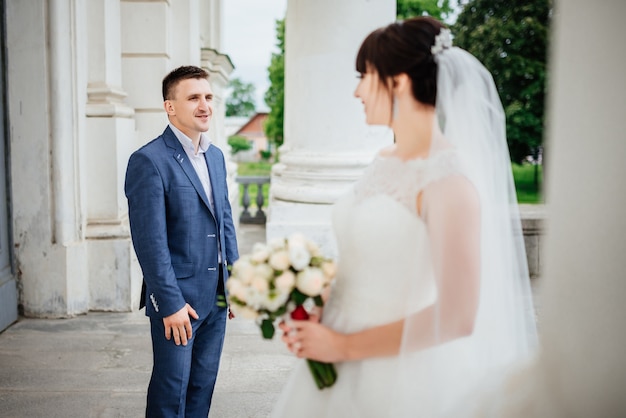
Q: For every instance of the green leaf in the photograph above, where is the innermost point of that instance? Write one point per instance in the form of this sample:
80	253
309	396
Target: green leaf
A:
267	328
298	297
318	301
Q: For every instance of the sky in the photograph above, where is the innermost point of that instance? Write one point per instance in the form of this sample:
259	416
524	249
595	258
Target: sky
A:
249	38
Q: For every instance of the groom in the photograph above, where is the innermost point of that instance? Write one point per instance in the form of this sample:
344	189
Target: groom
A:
183	233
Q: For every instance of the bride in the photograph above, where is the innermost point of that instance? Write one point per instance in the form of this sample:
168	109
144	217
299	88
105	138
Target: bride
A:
431	305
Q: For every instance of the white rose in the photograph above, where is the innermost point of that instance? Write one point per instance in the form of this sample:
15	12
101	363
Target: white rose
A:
236	289
274	301
285	282
244	311
296	239
257	293
263	271
313	248
276	244
243	270
260	253
330	269
311	281
279	260
300	257
259	285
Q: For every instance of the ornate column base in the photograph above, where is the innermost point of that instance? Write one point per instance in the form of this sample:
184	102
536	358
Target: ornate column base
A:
304	186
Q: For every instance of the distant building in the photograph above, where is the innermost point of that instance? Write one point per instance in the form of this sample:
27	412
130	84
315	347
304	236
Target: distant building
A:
252	129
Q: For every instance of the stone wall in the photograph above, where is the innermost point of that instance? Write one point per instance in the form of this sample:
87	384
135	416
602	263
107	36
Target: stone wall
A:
533	224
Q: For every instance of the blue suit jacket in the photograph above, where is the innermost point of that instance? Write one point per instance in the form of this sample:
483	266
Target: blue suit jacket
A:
174	231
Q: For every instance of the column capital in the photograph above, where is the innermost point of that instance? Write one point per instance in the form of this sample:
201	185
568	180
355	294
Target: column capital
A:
217	64
107	101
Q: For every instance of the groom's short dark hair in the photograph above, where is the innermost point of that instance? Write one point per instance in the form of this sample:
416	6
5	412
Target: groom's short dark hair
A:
177	75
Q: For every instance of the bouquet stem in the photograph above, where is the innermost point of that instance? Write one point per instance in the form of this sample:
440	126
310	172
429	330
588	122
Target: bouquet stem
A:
324	374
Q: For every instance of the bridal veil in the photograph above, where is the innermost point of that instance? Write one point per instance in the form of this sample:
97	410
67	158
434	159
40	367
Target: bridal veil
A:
454	378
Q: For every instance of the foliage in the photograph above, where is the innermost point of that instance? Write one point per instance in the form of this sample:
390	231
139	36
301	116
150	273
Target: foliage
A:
528	181
275	95
510	39
240	102
239	143
439	9
261	168
265	154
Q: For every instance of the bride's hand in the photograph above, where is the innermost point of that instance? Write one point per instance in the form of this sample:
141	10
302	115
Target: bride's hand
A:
315	316
312	340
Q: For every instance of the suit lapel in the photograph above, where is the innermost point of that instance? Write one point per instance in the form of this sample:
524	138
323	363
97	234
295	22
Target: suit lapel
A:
211	163
181	157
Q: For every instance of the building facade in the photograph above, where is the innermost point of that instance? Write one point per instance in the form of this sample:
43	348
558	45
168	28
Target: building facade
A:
81	90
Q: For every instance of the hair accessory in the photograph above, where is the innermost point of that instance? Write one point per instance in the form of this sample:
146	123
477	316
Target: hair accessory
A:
443	40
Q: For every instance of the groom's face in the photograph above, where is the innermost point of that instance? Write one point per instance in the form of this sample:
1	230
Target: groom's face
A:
191	107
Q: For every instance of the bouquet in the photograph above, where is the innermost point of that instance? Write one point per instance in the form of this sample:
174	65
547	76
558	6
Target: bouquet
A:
276	280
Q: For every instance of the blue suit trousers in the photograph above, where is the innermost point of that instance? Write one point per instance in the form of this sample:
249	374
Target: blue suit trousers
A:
183	377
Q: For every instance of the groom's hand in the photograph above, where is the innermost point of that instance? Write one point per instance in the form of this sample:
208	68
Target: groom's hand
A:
179	325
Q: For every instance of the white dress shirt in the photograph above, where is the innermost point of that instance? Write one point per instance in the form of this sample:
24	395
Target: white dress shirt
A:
197	160
200	166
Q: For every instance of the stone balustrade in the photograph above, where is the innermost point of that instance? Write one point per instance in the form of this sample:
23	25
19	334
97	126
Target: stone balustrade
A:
246	216
533	225
532	218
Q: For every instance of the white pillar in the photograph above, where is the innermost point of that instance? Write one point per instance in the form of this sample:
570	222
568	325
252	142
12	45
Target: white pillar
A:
114	282
327	144
46	100
211	25
185	32
146	58
219	67
581	371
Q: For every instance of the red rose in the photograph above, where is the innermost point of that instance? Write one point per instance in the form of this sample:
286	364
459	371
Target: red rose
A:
299	314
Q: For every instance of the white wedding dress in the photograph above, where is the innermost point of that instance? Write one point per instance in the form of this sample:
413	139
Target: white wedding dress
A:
392	260
385	273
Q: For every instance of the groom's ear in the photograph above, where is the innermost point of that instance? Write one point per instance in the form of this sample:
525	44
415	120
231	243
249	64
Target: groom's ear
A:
169	107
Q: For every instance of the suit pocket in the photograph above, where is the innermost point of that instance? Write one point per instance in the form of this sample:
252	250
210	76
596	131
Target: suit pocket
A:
183	270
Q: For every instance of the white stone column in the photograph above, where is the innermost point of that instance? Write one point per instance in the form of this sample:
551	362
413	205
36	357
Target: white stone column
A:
327	143
211	24
114	280
146	28
46	101
219	67
185	32
581	371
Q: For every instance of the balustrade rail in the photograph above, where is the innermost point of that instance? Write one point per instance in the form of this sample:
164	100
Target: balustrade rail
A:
246	216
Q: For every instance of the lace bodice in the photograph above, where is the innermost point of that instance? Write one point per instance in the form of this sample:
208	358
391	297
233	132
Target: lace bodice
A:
404	180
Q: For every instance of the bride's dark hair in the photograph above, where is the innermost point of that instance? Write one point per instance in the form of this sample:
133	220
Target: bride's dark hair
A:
404	47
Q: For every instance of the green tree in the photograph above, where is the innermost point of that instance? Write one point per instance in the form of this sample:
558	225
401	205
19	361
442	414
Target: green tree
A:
275	94
240	102
510	38
239	143
439	9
